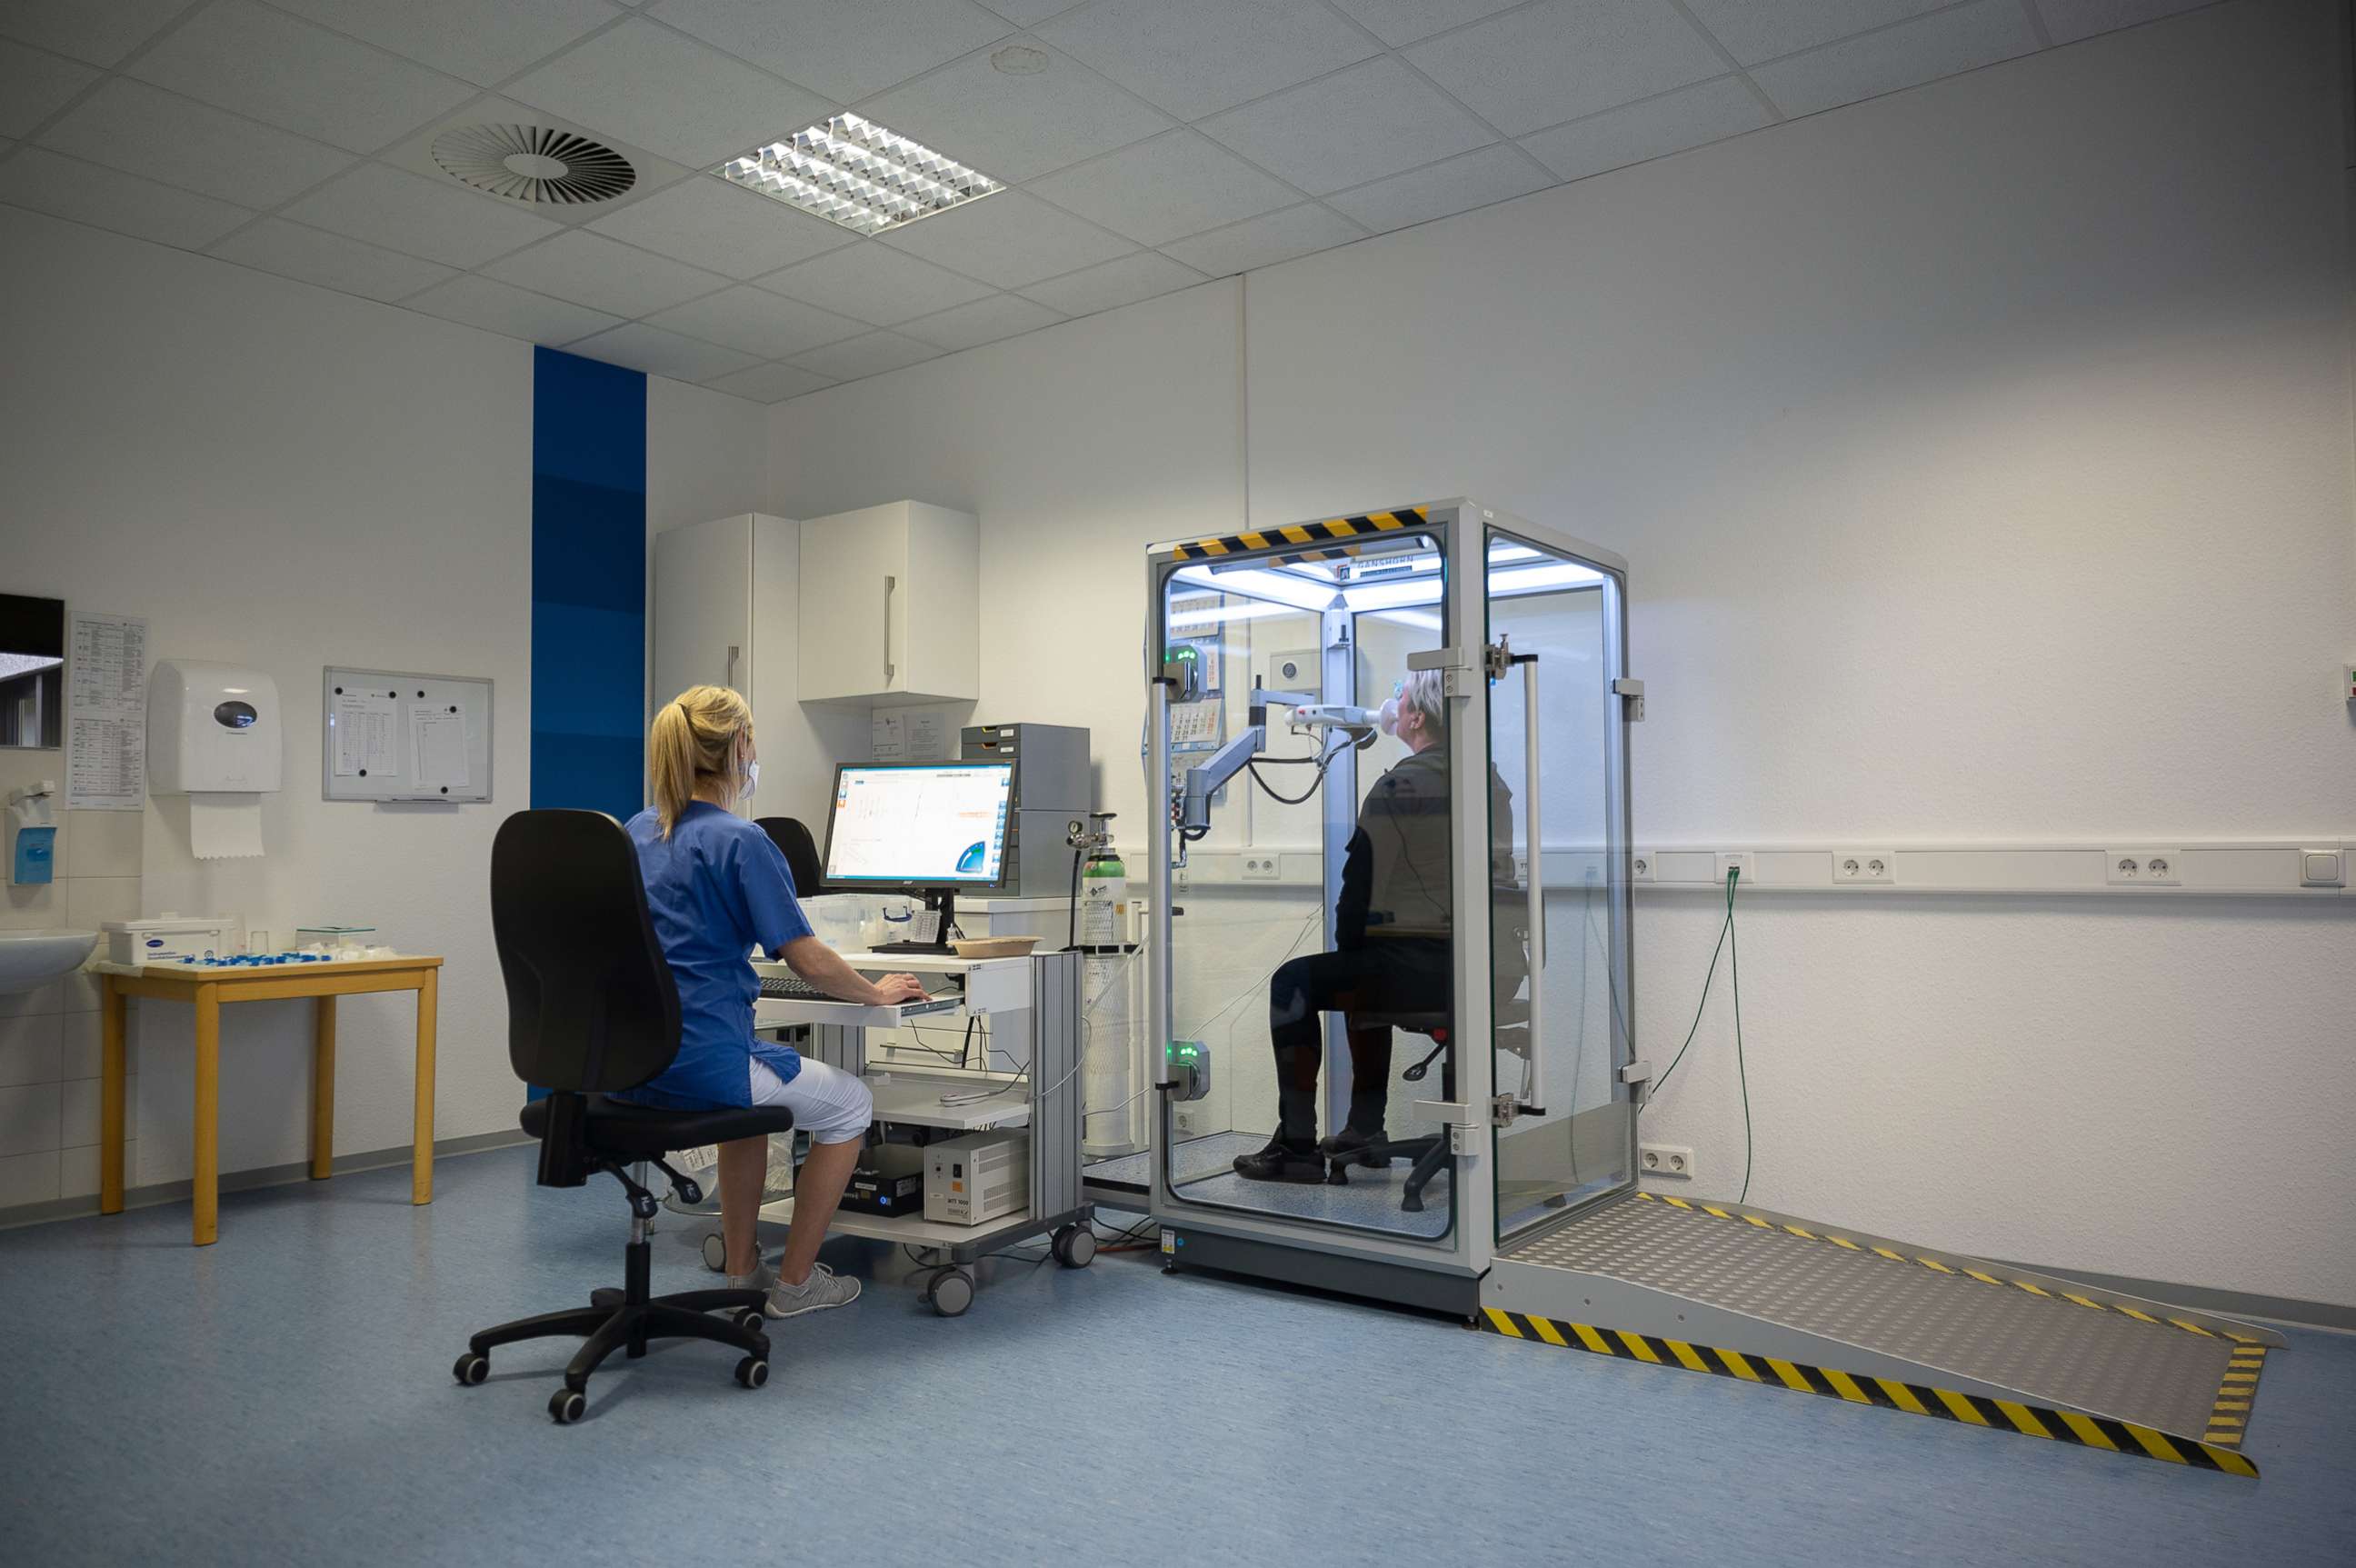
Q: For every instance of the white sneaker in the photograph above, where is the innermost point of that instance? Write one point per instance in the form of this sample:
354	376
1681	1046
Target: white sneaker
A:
824	1288
763	1277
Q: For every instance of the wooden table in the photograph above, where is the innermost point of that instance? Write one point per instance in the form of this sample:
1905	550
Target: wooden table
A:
209	989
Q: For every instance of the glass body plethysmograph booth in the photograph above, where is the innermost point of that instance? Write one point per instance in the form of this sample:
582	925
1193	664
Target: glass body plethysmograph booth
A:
1387	953
1410	936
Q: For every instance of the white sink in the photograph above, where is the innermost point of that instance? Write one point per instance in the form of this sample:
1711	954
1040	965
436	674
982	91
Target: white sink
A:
29	959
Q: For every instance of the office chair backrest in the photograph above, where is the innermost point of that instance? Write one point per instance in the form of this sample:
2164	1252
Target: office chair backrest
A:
591	1006
800	850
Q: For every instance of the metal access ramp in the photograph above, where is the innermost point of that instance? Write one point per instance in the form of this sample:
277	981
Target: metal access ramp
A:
1743	1293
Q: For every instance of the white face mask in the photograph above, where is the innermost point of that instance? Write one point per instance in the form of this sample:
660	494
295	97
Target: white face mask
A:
752	777
1387	716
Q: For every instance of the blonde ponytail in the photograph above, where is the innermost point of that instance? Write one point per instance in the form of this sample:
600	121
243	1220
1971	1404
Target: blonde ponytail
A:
695	737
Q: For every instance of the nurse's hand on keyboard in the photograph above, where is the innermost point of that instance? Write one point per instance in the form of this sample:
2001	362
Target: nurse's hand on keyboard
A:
893	988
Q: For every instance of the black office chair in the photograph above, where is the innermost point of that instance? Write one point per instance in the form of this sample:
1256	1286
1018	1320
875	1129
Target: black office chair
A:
800	850
591	1009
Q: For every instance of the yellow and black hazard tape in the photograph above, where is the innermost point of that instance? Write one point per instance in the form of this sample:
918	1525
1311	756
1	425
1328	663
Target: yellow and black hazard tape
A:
1914	1399
1332	530
2229	1419
1960	1270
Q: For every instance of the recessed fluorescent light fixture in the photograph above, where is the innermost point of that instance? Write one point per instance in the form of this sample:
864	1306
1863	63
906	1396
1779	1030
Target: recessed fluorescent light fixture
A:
854	172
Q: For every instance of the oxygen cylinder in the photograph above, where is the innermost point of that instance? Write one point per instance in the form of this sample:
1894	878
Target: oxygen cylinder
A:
1104	896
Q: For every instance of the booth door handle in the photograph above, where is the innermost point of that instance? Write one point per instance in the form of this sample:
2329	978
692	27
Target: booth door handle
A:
890	583
729	680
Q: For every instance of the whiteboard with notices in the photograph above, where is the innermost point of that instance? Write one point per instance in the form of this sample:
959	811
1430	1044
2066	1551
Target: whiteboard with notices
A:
393	734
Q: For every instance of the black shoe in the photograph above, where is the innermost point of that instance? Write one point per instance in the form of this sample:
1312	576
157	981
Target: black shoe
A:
1349	1141
1281	1161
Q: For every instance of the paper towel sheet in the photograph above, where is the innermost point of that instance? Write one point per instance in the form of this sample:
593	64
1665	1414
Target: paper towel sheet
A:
224	826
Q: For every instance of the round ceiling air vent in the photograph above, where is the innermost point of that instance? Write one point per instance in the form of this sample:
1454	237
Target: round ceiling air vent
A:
532	163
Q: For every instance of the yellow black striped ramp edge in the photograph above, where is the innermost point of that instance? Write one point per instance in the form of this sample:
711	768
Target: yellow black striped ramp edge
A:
1345	532
1914	1399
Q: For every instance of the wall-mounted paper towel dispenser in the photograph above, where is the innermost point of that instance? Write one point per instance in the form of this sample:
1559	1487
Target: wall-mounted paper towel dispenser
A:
213	735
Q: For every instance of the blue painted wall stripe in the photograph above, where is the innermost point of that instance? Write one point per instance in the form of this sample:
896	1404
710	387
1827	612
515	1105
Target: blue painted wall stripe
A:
588	584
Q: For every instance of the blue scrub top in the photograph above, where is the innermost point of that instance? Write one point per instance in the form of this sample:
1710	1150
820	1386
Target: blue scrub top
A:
715	887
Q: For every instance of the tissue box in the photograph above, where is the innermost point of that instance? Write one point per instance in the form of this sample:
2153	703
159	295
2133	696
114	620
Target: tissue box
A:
173	939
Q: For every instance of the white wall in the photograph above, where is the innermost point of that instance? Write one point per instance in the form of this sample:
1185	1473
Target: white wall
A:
1983	455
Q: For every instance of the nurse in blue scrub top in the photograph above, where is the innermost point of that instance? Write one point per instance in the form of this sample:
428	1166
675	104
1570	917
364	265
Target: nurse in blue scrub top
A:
716	886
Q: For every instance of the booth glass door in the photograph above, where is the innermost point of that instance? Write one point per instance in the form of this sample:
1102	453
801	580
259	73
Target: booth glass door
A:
1558	894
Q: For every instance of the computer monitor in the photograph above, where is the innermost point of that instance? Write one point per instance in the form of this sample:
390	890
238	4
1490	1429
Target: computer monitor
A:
920	827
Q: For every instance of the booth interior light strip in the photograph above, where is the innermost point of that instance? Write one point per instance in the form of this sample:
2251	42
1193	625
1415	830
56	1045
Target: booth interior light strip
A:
854	172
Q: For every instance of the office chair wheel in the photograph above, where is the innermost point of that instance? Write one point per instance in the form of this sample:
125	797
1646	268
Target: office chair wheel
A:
1074	1246
606	1296
753	1371
566	1405
951	1292
715	1253
471	1368
752	1320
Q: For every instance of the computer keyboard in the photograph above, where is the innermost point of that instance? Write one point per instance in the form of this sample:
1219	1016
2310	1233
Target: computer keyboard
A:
793	988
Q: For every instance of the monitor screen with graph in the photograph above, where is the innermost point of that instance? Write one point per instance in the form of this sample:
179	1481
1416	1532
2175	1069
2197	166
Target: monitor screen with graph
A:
919	825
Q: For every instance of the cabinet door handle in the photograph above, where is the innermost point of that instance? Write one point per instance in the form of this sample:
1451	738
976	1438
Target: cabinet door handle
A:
729	680
890	583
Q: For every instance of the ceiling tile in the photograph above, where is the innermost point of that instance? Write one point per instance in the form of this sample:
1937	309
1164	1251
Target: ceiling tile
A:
983	321
131	126
1899	57
518	312
1398	22
1200	57
99	33
35	85
662	353
402	212
2070	20
1654	128
1753	30
767	325
869	281
1015	128
1567	57
1358	124
603	274
870	356
243	57
1113	284
844	53
1022	13
483	41
712	223
769	383
1010	239
670	94
275	245
1458	185
1263	241
108	198
1165	188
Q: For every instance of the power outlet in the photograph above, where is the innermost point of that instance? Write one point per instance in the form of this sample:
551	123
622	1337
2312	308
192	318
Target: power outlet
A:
1864	866
1259	868
1184	1121
2143	867
1665	1159
1737	860
1639	865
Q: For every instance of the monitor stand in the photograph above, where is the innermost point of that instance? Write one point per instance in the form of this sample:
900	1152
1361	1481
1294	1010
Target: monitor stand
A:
944	903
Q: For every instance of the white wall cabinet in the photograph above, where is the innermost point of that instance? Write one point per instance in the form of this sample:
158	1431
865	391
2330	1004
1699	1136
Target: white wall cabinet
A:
726	613
891	606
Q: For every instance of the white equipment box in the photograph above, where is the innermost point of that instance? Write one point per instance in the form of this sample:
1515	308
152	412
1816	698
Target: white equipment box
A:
978	1178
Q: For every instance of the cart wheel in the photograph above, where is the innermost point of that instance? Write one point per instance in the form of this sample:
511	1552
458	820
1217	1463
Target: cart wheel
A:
565	1405
952	1293
715	1253
1074	1246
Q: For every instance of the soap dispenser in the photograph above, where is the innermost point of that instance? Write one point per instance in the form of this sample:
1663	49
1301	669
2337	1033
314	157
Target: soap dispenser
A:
33	834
